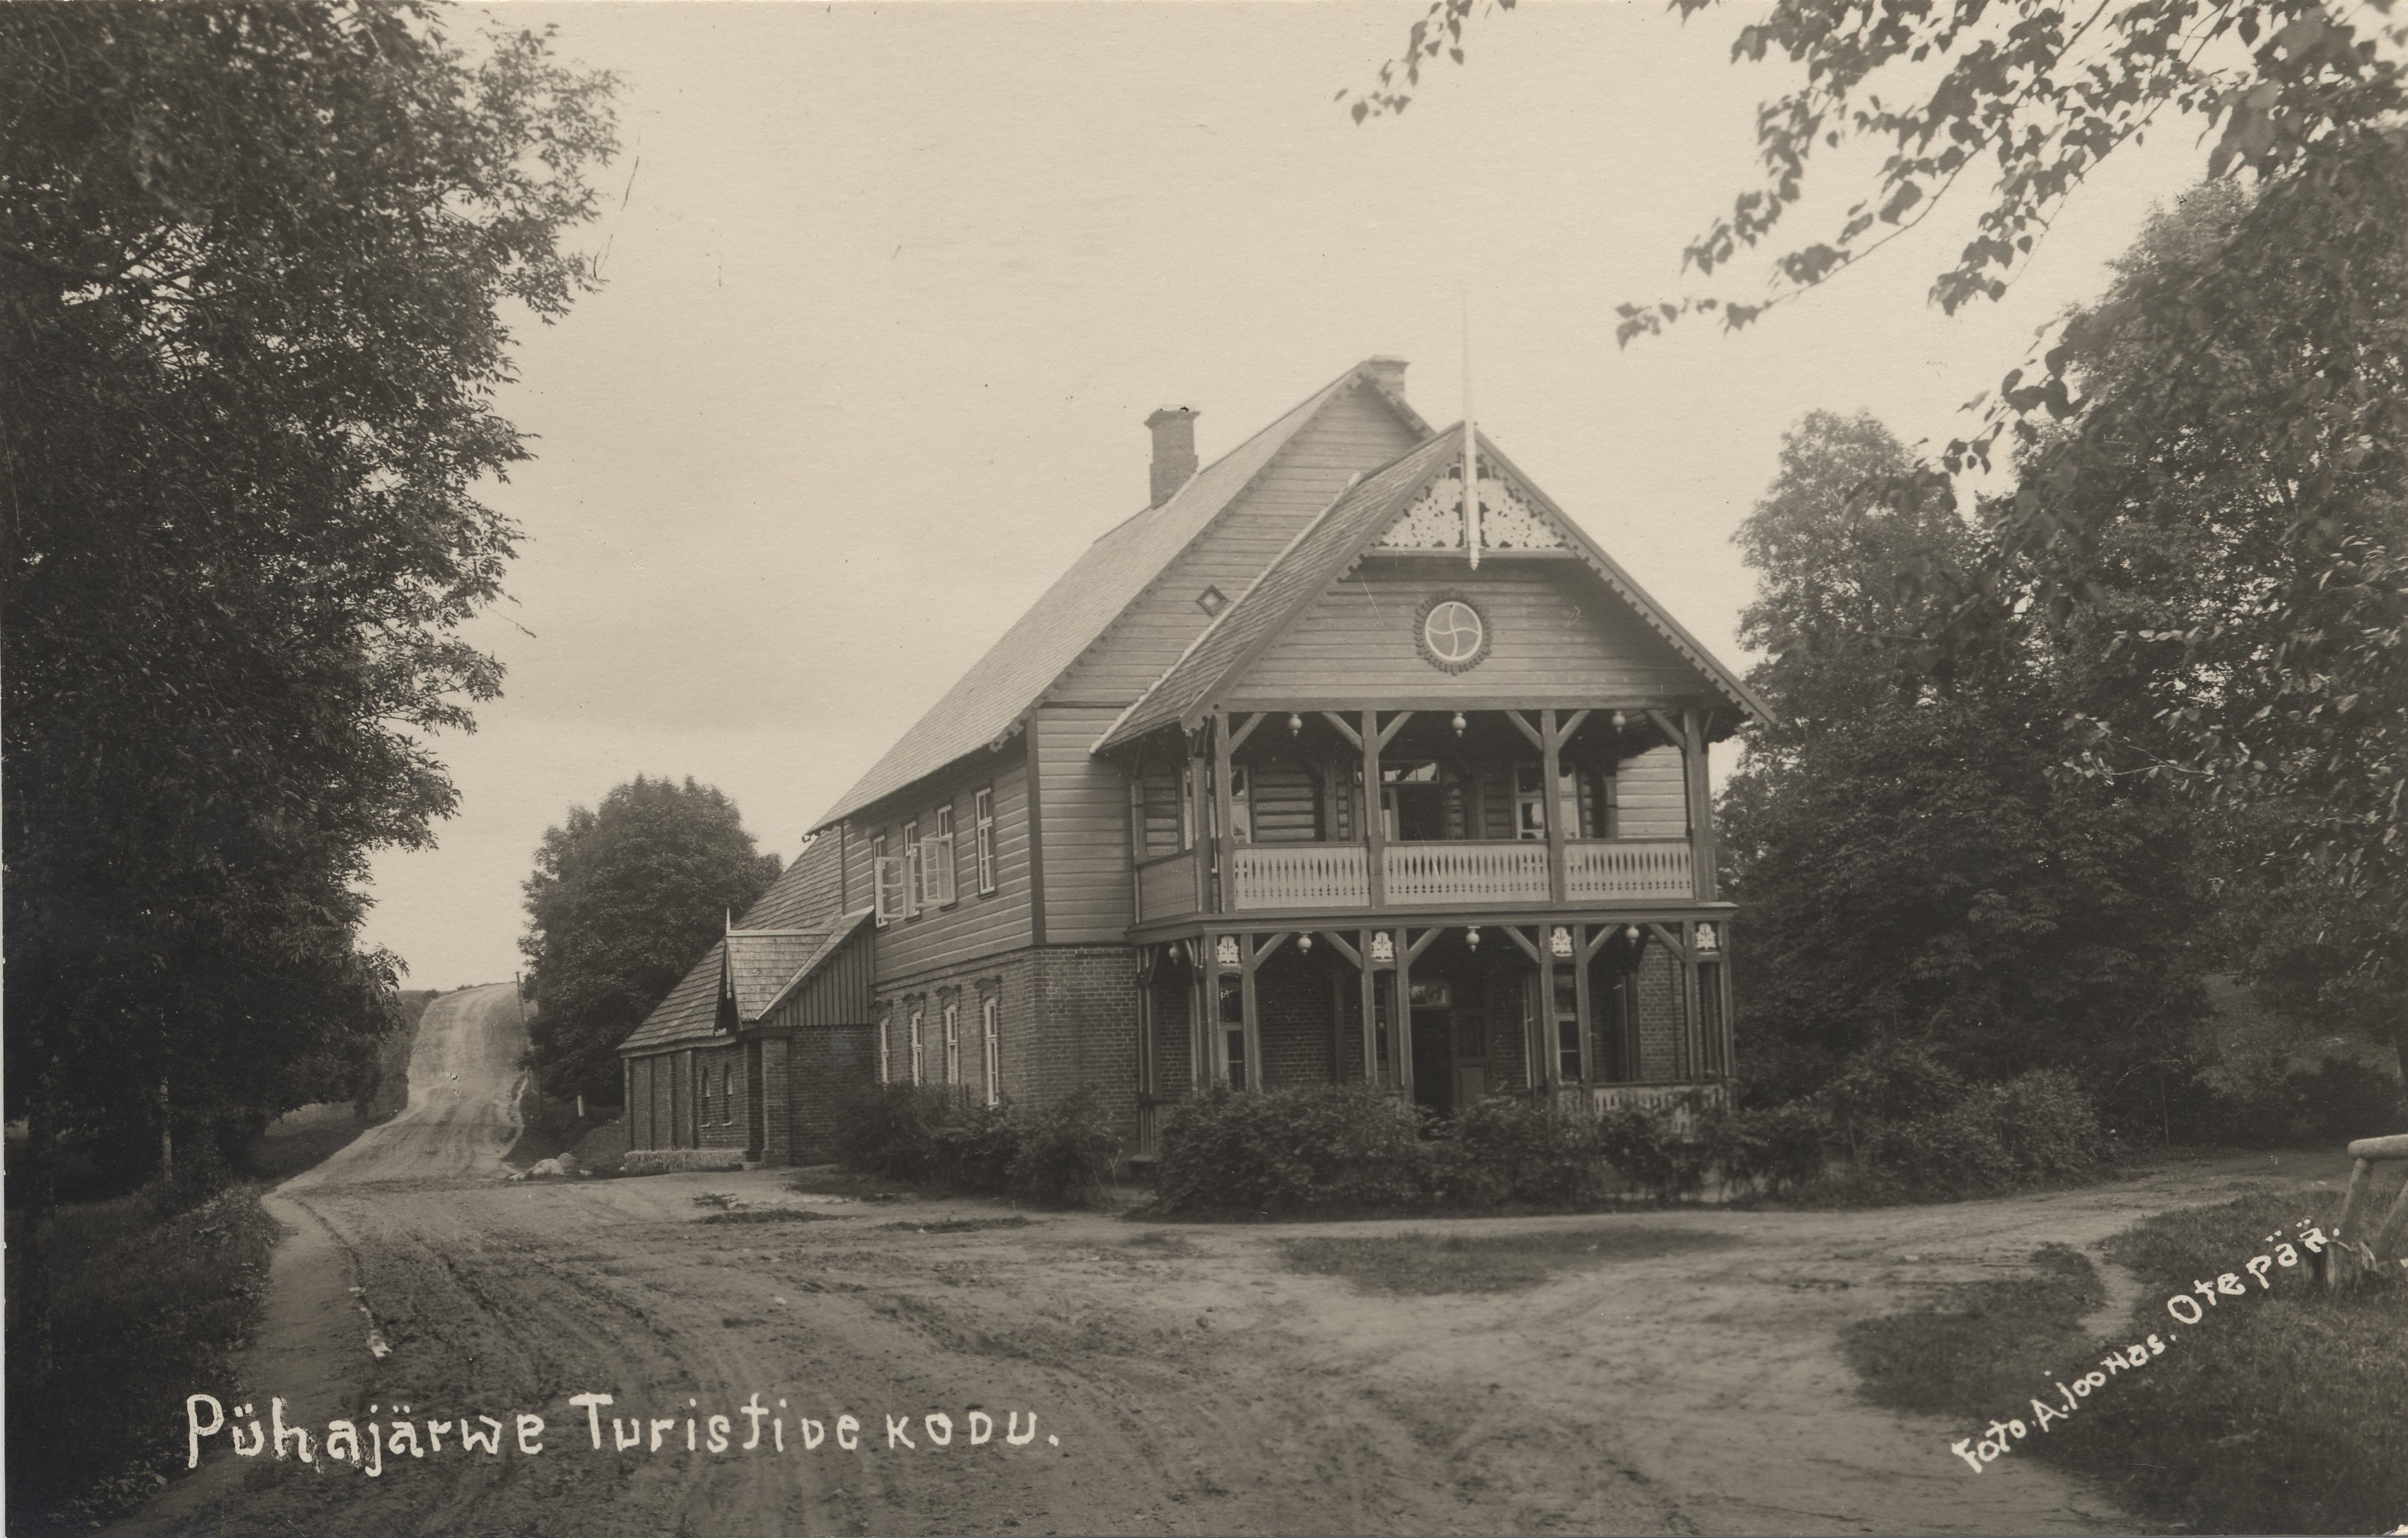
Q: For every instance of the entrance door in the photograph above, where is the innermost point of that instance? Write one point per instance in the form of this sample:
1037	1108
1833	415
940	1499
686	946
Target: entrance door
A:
1434	1046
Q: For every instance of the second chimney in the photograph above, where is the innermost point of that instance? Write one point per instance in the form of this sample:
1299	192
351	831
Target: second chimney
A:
1174	450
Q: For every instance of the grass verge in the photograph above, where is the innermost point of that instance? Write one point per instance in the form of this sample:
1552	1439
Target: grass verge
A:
1424	1262
146	1310
2281	1411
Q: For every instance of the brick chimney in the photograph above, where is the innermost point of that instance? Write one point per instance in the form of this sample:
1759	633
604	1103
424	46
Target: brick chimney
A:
1174	450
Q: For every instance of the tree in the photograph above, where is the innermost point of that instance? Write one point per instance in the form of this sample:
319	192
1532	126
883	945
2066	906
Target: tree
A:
253	265
623	900
1909	866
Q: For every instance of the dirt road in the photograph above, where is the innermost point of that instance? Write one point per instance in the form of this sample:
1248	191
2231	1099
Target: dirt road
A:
1183	1379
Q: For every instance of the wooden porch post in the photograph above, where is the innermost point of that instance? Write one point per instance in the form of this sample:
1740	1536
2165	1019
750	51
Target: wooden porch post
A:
1224	817
1551	750
1216	1049
1371	1009
1375	821
1255	954
1701	806
1692	1025
1581	1001
1549	1072
1200	824
1401	1021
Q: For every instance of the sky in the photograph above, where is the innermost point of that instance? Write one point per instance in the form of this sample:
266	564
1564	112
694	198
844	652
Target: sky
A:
889	289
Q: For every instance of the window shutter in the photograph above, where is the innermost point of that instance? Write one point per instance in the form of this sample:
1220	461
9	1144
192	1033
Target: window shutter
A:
889	889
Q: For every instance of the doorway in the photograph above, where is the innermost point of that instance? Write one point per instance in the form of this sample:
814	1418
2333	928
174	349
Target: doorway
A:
1433	1039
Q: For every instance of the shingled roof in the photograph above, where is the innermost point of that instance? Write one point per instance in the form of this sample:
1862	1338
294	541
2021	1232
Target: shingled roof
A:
991	700
782	937
1327	549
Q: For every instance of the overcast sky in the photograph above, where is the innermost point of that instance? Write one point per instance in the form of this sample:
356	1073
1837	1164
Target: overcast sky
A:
891	289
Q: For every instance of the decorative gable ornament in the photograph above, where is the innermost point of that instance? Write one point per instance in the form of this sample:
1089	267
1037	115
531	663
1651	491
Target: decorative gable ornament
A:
1225	950
1559	943
1708	941
1384	946
1508	518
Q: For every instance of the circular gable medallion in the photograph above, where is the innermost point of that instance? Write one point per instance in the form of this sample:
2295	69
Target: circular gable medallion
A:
1452	635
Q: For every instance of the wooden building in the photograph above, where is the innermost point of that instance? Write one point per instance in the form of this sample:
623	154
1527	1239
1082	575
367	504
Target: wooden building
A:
1306	772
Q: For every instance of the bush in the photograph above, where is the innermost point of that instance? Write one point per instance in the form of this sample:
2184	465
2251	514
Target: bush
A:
1502	1150
2268	1102
1312	1148
1996	1137
1773	1147
1064	1153
927	1134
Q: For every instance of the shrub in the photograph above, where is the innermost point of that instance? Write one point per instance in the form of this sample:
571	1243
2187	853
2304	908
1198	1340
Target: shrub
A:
972	1148
891	1130
1652	1152
1063	1153
2047	1125
1885	1086
1502	1149
1292	1150
2268	1102
1994	1137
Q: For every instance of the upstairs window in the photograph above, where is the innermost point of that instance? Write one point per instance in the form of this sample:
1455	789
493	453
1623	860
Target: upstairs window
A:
914	870
983	820
887	882
936	861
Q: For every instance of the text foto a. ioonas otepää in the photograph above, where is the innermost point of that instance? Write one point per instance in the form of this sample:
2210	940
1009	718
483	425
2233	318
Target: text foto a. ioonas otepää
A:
2000	1436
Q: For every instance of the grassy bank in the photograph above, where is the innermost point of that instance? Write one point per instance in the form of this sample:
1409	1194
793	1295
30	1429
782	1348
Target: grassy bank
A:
148	1309
2281	1411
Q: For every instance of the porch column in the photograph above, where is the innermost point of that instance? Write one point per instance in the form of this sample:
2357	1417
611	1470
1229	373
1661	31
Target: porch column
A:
1196	813
1223	813
1551	750
1701	803
1255	954
1584	1013
1401	1021
1692	1021
1549	1075
1212	1058
1375	821
1371	1007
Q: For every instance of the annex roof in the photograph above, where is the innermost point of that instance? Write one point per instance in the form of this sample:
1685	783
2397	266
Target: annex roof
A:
777	944
1328	547
992	699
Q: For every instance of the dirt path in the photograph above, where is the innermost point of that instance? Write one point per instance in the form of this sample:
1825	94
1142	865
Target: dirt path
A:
1183	1380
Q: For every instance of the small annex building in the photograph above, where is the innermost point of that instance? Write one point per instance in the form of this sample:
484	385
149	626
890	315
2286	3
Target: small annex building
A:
1319	768
745	1052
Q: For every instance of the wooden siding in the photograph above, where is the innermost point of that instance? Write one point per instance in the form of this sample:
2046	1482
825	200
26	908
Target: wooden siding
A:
839	993
1553	633
1655	799
1353	434
972	925
1086	831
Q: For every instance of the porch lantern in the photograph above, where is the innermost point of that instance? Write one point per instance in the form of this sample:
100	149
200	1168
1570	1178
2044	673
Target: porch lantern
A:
1471	938
1294	724
1620	720
1459	723
1384	946
1225	950
1707	939
1559	943
1632	934
1304	945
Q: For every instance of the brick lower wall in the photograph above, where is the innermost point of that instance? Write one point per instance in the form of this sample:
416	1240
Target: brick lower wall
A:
1659	1014
1292	1006
823	1064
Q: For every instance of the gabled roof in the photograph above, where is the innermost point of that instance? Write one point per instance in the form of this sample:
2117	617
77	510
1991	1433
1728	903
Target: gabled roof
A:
1327	549
992	699
779	940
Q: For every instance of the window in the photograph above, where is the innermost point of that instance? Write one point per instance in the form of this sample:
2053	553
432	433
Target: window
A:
914	870
990	1009
1567	1046
982	816
916	1064
886	881
727	1088
1233	1026
936	861
952	1043
885	1047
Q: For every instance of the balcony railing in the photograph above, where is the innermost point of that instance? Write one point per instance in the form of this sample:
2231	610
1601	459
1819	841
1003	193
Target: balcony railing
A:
1615	870
1334	877
1424	876
1268	877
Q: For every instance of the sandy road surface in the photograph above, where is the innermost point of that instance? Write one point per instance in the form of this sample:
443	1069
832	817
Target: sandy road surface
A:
1186	1384
463	1114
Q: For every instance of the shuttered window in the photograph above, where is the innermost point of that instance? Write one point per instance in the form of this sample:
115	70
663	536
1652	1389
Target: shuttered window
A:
886	1047
952	1043
915	871
917	1065
889	877
982	816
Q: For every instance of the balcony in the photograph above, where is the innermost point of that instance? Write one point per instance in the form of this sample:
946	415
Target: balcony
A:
1421	876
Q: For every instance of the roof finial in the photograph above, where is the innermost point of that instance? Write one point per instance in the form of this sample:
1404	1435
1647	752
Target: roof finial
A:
728	915
1471	453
